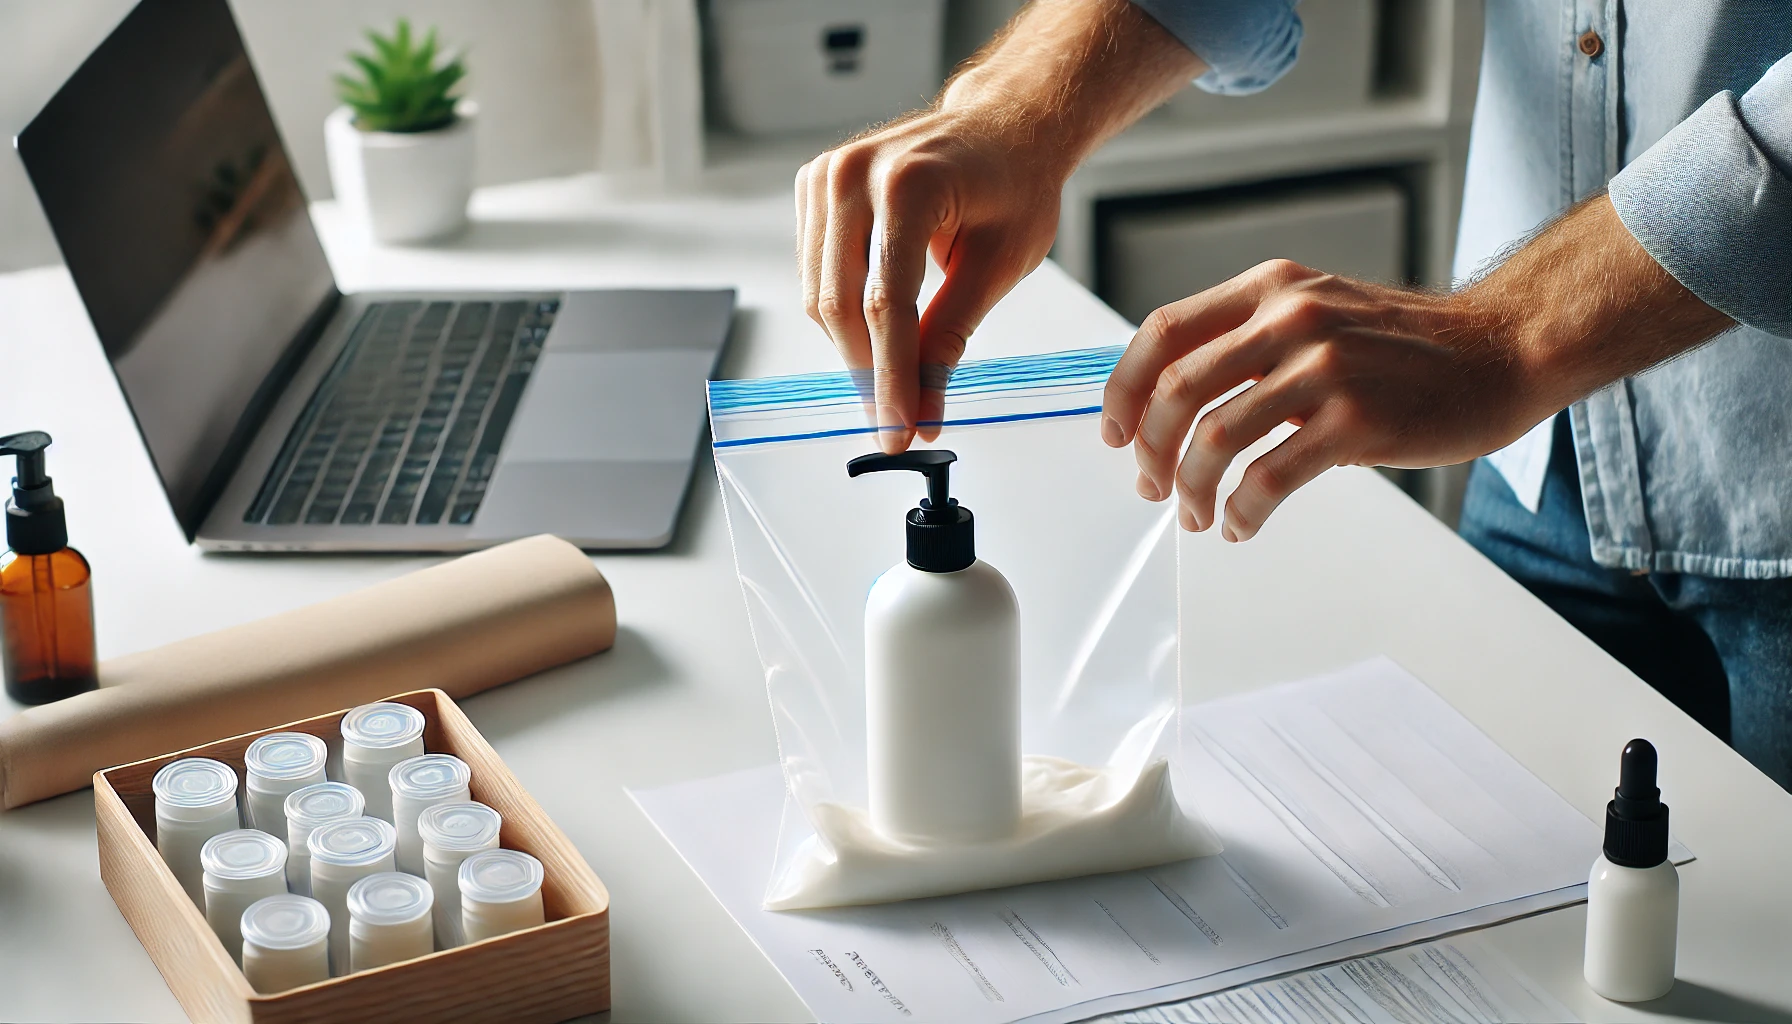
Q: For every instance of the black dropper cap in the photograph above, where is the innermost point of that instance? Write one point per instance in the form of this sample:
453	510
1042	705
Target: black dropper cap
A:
1636	821
941	533
35	524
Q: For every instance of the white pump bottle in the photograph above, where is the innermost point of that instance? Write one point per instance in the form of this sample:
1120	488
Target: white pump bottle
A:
942	676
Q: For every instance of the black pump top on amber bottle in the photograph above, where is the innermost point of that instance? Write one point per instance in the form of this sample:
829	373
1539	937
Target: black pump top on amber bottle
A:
35	524
941	532
1636	821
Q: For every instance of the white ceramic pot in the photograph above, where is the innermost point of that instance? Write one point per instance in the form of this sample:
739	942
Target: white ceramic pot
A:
406	186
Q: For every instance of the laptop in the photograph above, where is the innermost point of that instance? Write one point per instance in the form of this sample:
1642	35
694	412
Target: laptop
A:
285	415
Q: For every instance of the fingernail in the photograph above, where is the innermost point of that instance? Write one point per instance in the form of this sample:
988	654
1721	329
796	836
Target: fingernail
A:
1111	433
1187	519
1148	489
1226	532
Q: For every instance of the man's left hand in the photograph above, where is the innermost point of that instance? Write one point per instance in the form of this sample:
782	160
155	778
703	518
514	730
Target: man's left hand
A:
1383	376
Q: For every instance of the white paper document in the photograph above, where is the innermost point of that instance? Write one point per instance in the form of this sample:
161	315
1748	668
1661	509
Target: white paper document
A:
1460	981
1359	811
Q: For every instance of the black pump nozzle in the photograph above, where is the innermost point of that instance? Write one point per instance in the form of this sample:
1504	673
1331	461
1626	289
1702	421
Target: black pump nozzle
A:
1636	821
940	531
29	447
34	521
935	464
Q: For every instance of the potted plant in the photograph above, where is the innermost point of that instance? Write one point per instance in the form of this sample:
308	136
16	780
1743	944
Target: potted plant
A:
400	147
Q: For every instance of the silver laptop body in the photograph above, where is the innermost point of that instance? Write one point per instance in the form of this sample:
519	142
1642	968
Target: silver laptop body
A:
283	415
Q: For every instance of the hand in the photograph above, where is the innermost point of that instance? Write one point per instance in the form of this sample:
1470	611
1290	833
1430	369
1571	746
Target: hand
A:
951	182
974	180
1380	376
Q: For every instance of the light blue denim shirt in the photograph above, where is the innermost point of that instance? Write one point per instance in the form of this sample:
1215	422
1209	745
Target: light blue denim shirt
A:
1685	113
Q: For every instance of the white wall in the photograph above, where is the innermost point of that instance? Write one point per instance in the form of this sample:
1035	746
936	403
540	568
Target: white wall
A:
533	69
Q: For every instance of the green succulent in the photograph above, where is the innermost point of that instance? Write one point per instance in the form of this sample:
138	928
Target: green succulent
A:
401	89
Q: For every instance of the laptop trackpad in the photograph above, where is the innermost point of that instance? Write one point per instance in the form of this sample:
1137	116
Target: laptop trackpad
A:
600	452
641	406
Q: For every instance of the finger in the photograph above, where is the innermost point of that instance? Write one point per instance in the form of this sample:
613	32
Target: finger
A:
906	218
978	274
1321	443
812	183
1185	387
1172	331
1229	429
845	245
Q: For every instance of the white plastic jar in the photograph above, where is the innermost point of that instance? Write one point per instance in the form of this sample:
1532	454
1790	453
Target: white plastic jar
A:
342	853
240	867
451	833
286	943
417	785
305	810
273	767
374	738
389	919
195	800
500	893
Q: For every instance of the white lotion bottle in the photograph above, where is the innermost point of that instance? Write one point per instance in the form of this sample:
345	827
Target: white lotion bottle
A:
942	676
1633	893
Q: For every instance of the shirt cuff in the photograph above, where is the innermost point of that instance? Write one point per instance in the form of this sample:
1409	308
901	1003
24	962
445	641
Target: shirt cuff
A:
1246	44
1712	202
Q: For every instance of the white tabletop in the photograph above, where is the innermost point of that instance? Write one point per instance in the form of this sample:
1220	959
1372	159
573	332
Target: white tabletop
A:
1348	568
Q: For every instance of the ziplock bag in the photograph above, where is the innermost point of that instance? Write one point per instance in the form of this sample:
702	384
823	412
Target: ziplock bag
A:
1094	569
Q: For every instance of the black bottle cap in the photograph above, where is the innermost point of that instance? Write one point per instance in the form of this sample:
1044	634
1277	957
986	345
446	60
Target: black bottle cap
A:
941	532
35	524
1636	821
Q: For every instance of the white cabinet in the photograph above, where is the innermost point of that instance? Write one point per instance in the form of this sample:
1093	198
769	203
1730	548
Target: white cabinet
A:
1152	255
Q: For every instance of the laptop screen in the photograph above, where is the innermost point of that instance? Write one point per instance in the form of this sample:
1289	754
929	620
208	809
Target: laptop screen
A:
164	180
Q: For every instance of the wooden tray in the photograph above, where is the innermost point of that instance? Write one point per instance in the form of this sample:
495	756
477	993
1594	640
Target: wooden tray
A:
551	973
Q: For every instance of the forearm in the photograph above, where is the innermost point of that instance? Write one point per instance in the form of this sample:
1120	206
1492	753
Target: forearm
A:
1583	304
1069	74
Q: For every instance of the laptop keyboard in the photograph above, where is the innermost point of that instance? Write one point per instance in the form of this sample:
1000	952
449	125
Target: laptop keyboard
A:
406	426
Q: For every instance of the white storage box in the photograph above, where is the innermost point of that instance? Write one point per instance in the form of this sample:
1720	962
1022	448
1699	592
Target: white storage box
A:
787	66
1153	257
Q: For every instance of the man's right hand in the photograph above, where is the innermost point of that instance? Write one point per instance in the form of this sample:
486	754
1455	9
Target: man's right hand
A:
974	181
957	183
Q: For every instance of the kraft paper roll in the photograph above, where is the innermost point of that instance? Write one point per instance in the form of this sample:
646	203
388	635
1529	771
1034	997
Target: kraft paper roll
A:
464	626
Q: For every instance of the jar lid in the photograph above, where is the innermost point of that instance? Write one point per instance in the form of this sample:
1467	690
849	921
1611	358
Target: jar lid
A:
352	842
195	782
428	776
242	853
390	898
285	755
311	806
382	726
459	826
285	921
499	876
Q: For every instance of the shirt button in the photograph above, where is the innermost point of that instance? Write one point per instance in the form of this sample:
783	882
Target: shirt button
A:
1590	43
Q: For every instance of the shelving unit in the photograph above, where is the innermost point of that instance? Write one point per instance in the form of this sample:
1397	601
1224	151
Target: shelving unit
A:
1414	126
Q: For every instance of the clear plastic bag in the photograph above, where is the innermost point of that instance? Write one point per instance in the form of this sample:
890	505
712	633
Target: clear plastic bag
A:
1094	569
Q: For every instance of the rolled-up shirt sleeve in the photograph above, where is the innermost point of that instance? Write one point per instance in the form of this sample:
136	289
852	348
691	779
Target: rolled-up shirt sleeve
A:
1712	202
1246	44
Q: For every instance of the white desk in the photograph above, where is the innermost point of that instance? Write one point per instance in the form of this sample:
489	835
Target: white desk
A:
1349	568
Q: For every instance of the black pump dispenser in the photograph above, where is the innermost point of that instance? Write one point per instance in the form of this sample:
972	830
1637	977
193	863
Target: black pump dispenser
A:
941	532
35	524
1636	821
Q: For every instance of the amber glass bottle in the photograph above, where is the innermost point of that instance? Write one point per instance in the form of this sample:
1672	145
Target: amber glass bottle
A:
46	601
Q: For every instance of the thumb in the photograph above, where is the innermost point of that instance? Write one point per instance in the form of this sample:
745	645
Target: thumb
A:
978	274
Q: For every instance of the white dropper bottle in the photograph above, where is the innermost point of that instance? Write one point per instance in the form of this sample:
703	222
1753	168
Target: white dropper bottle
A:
1633	893
942	676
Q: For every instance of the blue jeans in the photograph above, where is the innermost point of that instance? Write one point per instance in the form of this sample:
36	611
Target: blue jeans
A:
1721	649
